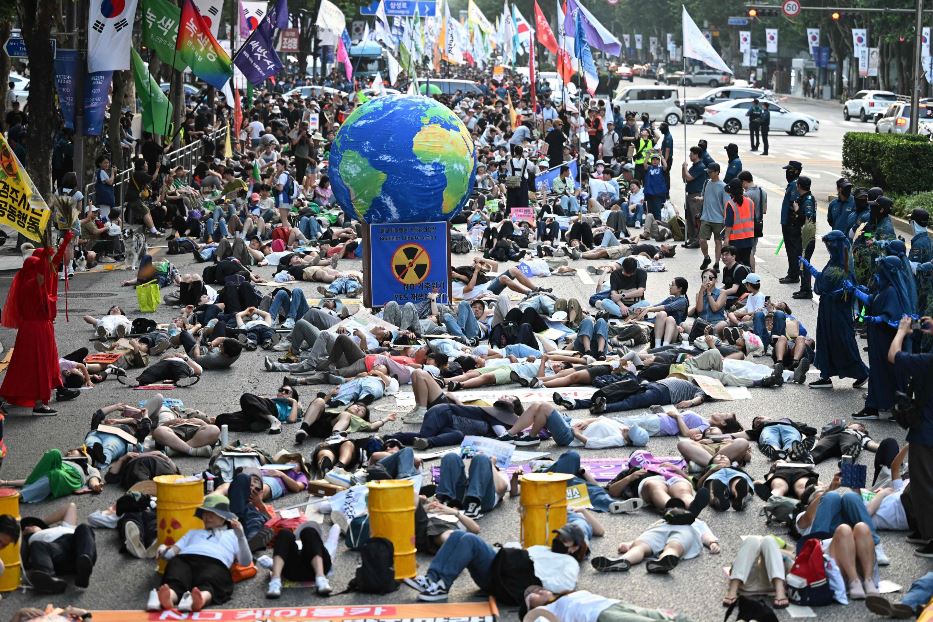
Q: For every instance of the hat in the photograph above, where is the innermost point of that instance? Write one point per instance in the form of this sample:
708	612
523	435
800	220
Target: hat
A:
94	208
885	203
637	436
544	163
628	166
317	136
874	193
571	531
793	164
655	155
610	122
753	343
752	278
731	147
254	197
921	217
860	193
218	504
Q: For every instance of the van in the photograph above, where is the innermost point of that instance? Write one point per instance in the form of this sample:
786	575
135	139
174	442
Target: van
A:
660	102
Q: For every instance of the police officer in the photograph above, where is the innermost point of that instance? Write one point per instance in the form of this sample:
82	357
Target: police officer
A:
842	207
765	126
792	242
754	124
803	215
921	247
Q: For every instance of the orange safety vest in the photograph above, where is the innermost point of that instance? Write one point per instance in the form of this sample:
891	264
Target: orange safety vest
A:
743	219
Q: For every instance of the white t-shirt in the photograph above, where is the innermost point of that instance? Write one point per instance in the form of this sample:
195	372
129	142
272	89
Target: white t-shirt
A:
580	606
754	302
256	128
457	288
53	533
891	514
603	433
220	544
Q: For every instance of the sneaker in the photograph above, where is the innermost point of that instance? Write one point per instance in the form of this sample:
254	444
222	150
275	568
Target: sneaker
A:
421	444
663	565
526	440
914	538
201	452
45	583
323	586
83	568
925	551
626	505
339	477
594	270
881	556
436	592
802	295
301	435
858	384
133	541
518	379
560	400
881	606
506	438
275	588
419	583
473	509
185	602
822	383
153	604
866	414
800	372
707	260
289	323
282	346
535	383
607	564
261	539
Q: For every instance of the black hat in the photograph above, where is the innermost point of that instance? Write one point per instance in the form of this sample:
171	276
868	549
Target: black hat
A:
793	164
874	193
885	203
921	217
860	193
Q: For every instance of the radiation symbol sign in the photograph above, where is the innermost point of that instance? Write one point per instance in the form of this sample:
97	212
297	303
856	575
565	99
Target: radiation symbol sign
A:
411	264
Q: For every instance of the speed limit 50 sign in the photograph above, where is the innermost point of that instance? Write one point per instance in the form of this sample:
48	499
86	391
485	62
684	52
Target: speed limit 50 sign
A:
791	8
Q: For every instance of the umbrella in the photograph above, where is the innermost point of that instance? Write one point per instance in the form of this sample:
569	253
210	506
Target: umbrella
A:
432	89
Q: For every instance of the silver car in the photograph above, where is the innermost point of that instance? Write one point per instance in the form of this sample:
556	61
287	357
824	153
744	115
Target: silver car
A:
896	119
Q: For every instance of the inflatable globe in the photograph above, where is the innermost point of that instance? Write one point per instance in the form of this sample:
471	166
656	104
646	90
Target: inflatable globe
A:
402	158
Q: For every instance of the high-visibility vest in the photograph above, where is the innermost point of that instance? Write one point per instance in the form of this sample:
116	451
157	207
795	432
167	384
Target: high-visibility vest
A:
644	146
743	219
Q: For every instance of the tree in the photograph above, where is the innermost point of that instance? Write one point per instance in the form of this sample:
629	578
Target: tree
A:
36	18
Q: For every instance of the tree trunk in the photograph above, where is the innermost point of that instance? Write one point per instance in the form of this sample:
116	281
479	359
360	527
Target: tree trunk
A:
36	19
178	93
5	63
120	79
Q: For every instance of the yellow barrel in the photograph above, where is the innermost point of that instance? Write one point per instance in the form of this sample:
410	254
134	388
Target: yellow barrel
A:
178	496
544	506
392	516
9	555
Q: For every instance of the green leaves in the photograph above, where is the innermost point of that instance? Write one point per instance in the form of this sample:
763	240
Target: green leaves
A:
899	163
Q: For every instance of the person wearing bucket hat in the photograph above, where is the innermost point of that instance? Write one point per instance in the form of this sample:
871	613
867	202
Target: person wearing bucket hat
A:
841	208
198	572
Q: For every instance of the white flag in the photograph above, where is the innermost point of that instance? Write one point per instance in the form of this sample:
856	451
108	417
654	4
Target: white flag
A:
382	32
925	42
813	39
627	39
211	11
110	35
637	41
696	45
771	40
653	45
331	18
860	50
745	41
393	66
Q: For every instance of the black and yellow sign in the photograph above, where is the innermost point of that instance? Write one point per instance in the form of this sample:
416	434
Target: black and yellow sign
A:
411	264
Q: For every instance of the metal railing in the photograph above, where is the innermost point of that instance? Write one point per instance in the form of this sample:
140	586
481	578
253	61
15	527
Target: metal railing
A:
186	156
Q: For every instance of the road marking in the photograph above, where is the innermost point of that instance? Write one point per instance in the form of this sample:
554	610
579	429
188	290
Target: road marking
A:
831	155
585	277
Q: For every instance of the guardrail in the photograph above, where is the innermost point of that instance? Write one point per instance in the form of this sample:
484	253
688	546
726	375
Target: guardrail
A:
186	156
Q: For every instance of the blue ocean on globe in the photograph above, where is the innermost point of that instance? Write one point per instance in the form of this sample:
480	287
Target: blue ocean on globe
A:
402	158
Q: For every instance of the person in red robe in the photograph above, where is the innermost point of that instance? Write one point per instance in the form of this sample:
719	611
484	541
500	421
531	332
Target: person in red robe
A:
31	308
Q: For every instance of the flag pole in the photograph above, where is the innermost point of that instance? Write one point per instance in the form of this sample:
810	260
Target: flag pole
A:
683	117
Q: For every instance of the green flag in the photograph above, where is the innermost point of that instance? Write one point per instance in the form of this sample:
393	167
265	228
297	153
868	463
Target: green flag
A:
157	110
160	30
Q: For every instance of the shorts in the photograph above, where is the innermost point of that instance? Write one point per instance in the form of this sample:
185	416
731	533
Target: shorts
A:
708	229
137	208
670	481
502	374
616	252
495	286
185	432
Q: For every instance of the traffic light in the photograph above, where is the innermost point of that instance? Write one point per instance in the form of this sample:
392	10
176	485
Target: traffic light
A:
757	12
836	16
753	13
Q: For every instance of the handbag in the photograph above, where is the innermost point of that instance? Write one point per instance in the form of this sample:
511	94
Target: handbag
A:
149	296
239	573
145	192
513	180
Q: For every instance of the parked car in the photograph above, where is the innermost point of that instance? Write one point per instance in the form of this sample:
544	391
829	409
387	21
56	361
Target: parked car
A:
896	119
693	108
449	87
699	76
868	105
660	102
730	117
625	73
313	91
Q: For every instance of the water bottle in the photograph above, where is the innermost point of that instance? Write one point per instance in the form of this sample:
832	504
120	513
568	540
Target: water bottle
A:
224	435
208	482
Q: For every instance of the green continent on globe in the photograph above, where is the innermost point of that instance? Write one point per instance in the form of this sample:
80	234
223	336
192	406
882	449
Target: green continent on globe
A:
452	150
367	181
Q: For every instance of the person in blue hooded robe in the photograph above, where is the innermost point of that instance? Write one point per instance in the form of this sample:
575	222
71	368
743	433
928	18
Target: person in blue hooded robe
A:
896	296
837	352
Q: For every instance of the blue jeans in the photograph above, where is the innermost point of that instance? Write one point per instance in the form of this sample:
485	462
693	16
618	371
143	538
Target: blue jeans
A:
465	324
252	519
653	394
570	204
455	484
569	462
548	231
401	464
779	329
920	592
559	427
114	446
216	225
638	216
441	428
463	551
781	436
655	202
310	227
37	491
358	389
520	350
612	307
344	286
297	305
595	331
836	509
609	240
446	346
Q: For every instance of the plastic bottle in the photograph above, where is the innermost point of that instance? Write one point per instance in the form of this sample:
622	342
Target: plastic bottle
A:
208	482
224	435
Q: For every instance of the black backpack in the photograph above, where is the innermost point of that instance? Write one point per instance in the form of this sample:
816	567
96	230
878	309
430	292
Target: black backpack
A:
376	572
618	391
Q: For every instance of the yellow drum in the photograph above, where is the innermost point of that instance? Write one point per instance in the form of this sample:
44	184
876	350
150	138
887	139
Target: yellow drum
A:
9	580
544	506
178	496
392	516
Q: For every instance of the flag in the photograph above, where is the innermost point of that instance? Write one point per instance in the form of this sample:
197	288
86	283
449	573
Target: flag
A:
210	11
237	114
382	32
813	39
513	116
860	50
160	29
565	61
378	86
157	109
583	52
251	13
698	47
278	14
508	36
476	16
21	206
531	77
257	58
393	68
110	35
771	40
256	174
199	50
638	41
228	146
331	18
522	29
745	40
343	53
596	34
543	31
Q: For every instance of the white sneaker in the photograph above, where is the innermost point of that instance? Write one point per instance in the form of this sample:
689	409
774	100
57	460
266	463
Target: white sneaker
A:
264	561
339	477
275	588
323	586
153	603
282	346
881	556
134	542
184	603
415	415
289	323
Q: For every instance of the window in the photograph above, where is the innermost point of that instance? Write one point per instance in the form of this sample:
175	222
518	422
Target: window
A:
860	95
743	105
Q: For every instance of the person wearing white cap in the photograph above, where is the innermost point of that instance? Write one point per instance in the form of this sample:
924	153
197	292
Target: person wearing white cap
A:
754	301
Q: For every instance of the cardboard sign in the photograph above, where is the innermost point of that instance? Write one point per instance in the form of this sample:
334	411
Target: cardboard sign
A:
578	498
523	213
502	452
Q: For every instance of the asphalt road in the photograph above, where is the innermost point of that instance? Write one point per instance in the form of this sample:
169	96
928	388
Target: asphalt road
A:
694	588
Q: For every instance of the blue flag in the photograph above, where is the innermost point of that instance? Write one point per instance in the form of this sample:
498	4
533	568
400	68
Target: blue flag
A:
257	58
581	48
278	15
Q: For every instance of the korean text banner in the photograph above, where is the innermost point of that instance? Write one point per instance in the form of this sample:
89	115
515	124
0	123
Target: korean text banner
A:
160	30
409	261
67	68
96	94
17	209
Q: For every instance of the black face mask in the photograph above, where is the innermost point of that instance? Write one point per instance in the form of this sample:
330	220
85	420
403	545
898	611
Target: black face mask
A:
790	175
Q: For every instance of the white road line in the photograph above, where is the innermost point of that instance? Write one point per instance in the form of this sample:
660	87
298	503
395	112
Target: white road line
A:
831	155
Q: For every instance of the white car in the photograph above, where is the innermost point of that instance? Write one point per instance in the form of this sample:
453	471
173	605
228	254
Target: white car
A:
868	105
660	102
313	91
730	117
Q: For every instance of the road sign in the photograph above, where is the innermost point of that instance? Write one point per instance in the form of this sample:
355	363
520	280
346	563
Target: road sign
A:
738	21
402	8
791	8
15	46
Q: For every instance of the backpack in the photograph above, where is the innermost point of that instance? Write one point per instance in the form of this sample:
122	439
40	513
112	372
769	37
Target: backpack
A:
376	572
618	391
807	583
678	226
357	532
780	510
459	244
511	573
